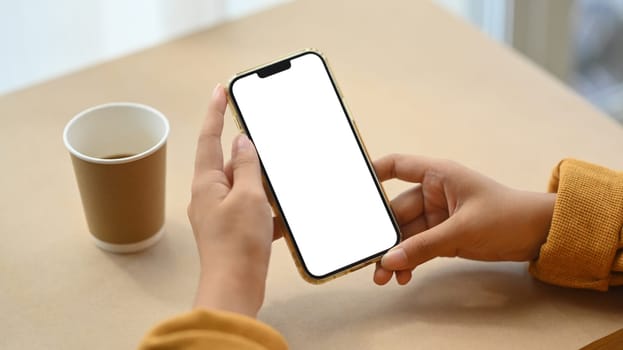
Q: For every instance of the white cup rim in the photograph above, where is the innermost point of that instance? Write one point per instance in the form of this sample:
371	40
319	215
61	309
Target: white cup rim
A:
132	158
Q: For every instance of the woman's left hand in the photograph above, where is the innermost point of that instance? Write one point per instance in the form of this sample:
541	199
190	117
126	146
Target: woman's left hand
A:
231	219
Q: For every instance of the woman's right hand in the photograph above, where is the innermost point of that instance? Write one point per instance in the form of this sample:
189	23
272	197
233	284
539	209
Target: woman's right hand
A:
453	211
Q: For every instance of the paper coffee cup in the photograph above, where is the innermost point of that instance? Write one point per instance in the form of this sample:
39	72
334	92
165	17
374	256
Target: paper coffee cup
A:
118	152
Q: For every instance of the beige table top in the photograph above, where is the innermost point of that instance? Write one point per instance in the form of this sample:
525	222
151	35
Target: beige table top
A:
417	81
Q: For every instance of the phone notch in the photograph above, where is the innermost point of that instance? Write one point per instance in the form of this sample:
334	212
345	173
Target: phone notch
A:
274	68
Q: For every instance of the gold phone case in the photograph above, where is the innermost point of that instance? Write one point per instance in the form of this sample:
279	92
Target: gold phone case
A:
287	234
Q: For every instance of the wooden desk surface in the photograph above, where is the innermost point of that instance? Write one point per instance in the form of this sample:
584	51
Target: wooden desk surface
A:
417	81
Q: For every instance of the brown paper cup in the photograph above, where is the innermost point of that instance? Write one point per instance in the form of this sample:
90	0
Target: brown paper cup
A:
118	152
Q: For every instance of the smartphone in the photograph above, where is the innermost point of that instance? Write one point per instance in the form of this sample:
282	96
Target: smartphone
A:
315	165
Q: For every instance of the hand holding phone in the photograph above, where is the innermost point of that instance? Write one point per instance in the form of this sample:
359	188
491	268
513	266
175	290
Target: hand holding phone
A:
455	211
231	219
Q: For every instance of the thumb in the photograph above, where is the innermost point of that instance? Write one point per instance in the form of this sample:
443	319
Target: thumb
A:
245	164
422	247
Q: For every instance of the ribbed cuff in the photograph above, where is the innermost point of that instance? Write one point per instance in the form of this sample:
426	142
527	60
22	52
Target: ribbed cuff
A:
586	227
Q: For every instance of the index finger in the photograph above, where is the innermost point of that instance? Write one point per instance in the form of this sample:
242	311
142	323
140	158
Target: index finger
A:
404	167
209	150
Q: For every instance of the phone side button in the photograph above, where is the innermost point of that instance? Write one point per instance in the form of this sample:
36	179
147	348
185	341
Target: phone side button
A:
237	124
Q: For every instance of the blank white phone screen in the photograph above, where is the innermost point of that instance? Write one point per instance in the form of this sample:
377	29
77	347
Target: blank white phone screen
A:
315	166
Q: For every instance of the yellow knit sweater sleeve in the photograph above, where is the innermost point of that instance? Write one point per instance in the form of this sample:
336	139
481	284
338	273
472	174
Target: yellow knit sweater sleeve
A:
584	247
215	330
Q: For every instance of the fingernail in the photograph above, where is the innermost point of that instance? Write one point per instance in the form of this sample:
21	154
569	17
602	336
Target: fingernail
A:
216	90
395	259
243	142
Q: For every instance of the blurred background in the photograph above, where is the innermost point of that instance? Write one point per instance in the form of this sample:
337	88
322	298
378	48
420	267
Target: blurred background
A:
580	42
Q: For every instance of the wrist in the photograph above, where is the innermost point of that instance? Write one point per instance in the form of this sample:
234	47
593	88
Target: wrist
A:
540	218
236	286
